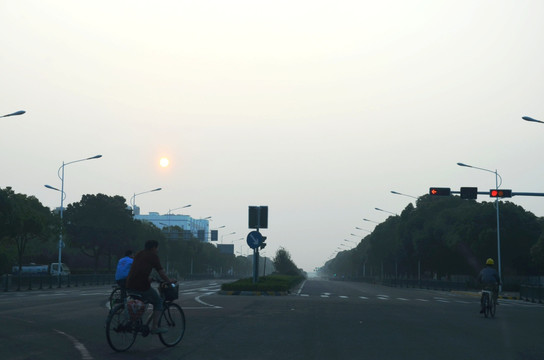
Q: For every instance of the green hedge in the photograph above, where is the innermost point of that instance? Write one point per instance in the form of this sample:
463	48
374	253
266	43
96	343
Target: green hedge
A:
266	283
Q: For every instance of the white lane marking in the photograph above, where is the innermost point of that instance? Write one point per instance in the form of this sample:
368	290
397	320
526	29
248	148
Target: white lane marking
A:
85	355
383	298
324	296
197	299
343	297
304	295
363	297
425	300
402	299
301	287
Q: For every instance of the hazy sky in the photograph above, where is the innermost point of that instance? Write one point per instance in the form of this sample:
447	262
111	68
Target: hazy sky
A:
317	109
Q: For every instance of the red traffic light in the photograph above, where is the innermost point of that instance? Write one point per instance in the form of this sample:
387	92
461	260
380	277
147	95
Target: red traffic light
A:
436	191
498	193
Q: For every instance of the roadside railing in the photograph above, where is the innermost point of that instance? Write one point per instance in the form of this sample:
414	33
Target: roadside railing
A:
426	284
10	282
532	293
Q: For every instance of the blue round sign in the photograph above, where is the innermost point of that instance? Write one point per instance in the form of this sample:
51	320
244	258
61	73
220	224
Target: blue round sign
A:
254	239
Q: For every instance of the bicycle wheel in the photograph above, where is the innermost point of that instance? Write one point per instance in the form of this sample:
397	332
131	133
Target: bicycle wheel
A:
173	318
492	307
486	305
119	329
115	297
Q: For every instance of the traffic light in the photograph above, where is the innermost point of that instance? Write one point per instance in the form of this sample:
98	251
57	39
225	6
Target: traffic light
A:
499	193
469	192
263	244
438	191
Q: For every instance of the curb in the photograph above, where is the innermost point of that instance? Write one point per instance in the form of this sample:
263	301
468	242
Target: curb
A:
468	293
254	293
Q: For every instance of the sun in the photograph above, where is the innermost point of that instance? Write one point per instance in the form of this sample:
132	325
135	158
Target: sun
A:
164	162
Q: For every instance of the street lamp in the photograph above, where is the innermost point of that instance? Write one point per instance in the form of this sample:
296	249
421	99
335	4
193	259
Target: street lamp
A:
358	228
133	198
527	118
60	174
20	112
222	236
386	211
375	222
497	185
398	193
170	212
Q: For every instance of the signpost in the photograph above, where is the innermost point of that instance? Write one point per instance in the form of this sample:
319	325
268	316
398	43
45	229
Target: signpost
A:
257	219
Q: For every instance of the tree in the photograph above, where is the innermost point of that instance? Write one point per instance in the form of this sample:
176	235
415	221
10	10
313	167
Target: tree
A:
283	263
23	220
100	225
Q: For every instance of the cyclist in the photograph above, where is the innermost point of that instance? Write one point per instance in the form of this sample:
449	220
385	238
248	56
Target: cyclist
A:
123	268
489	278
139	280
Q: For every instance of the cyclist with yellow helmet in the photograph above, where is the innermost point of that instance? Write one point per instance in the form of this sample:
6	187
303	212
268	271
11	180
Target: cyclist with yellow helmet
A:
489	278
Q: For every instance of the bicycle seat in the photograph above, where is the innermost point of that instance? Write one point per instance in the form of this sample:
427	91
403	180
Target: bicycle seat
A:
136	296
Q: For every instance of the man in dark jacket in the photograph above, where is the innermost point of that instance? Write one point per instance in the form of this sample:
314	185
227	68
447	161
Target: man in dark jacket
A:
139	281
489	278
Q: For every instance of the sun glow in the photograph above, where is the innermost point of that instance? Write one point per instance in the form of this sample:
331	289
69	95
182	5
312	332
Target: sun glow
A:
164	162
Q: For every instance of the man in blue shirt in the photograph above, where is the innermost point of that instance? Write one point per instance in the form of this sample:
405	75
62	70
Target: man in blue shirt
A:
123	268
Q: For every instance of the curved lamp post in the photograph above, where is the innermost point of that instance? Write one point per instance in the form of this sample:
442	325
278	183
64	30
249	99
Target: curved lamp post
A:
497	185
60	173
398	193
20	112
392	213
375	222
133	198
358	228
222	236
527	118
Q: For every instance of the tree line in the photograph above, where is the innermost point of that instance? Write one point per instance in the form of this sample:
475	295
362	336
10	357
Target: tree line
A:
97	231
445	236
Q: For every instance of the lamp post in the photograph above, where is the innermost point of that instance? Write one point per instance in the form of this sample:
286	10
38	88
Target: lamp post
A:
497	185
392	213
527	118
60	174
222	236
133	198
398	193
20	112
170	212
375	222
358	228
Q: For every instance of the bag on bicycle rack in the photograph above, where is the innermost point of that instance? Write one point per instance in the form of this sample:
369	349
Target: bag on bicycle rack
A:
169	292
136	308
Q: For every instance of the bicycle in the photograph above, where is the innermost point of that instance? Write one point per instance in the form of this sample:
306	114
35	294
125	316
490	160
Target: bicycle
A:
122	327
116	296
488	303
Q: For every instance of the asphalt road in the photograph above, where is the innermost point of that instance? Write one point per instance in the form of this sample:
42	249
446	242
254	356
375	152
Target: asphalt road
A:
321	320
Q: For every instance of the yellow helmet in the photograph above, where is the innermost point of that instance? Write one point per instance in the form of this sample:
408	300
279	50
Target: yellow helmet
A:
489	262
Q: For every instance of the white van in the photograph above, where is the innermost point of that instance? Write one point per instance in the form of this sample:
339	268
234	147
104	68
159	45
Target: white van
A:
54	269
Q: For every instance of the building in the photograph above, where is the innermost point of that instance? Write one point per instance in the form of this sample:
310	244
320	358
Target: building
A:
197	228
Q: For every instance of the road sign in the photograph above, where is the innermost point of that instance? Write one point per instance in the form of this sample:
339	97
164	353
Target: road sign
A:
258	217
254	239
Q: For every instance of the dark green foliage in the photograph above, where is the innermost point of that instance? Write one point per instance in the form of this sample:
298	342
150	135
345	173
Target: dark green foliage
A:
284	265
23	222
447	236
